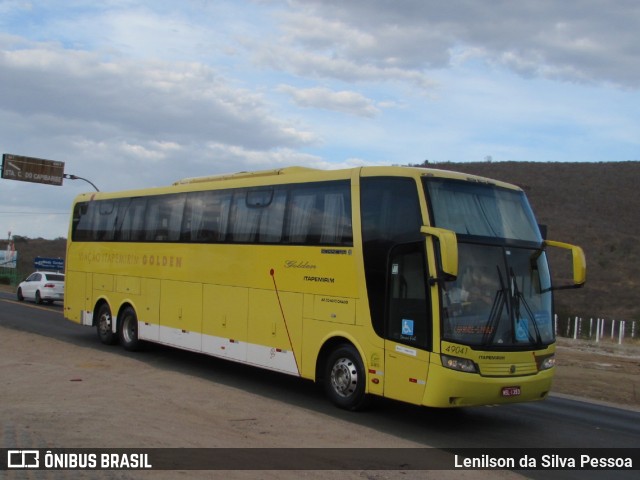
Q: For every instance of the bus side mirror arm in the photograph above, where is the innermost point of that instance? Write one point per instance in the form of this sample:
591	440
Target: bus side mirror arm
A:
448	250
579	263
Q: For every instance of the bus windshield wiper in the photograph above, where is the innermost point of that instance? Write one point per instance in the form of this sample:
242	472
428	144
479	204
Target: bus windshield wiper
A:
499	302
519	299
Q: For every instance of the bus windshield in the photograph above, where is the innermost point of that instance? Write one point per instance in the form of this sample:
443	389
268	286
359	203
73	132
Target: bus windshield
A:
481	209
501	297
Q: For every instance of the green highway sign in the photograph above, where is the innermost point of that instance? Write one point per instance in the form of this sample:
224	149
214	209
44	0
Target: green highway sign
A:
34	170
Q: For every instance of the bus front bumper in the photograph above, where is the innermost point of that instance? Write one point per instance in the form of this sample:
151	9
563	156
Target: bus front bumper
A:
449	388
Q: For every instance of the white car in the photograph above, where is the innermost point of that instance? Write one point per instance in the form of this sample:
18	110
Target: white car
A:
42	287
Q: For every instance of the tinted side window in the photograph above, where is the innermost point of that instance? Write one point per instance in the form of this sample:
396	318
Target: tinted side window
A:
96	220
390	212
390	209
82	222
163	218
320	214
408	305
206	217
257	215
105	220
132	225
305	214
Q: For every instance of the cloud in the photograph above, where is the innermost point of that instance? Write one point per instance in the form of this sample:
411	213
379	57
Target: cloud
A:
352	103
319	66
586	41
152	99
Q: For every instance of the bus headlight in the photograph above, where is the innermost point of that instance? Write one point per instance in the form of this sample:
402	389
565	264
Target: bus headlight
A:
547	362
460	364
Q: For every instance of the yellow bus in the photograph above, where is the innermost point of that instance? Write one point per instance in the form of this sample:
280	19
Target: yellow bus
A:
420	285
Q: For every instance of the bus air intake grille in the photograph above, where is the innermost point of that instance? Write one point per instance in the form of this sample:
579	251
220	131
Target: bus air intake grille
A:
508	369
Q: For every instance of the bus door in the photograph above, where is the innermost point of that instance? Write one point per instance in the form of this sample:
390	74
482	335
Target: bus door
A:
408	324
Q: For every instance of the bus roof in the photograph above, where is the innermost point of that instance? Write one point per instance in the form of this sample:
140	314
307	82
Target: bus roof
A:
268	176
258	173
365	171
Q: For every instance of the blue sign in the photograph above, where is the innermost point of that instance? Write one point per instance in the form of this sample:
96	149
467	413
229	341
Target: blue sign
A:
522	330
407	327
52	264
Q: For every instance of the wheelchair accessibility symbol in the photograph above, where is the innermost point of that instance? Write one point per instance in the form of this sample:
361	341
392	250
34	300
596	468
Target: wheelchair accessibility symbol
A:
407	327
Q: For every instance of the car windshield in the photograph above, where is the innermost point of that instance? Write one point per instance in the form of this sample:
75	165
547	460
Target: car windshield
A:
55	277
501	298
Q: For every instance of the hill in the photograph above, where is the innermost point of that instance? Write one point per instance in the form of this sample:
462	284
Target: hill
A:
594	205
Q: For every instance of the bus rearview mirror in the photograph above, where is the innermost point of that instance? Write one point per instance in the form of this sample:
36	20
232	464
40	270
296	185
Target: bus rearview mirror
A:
579	262
448	244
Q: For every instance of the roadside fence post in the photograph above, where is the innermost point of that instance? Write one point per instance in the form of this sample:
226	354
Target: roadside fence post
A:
613	329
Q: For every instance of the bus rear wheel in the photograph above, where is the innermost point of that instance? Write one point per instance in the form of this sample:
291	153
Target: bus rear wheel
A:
129	330
345	378
104	326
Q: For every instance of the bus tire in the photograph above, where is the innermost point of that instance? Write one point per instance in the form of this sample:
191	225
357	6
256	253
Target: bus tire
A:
104	325
345	377
129	330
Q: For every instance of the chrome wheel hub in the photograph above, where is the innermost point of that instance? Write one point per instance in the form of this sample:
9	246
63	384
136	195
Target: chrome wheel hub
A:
344	377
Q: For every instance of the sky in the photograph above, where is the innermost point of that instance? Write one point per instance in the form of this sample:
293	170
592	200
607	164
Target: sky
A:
136	94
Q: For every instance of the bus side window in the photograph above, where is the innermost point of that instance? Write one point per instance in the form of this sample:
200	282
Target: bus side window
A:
408	301
132	227
257	215
164	218
272	218
202	217
82	221
244	219
335	220
320	214
390	212
207	216
105	221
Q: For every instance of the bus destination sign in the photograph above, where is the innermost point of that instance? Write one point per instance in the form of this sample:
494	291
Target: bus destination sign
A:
29	169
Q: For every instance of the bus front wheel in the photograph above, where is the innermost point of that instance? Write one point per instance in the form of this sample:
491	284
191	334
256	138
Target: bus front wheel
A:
104	326
129	330
345	378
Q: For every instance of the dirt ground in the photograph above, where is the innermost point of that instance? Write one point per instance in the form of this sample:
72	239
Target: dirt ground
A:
605	372
54	394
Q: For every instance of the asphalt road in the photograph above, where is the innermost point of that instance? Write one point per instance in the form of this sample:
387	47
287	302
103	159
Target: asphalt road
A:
557	423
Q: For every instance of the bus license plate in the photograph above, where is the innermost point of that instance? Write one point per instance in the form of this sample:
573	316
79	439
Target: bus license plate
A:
510	391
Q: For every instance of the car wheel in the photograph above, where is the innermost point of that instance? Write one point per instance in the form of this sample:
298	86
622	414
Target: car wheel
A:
19	295
38	297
